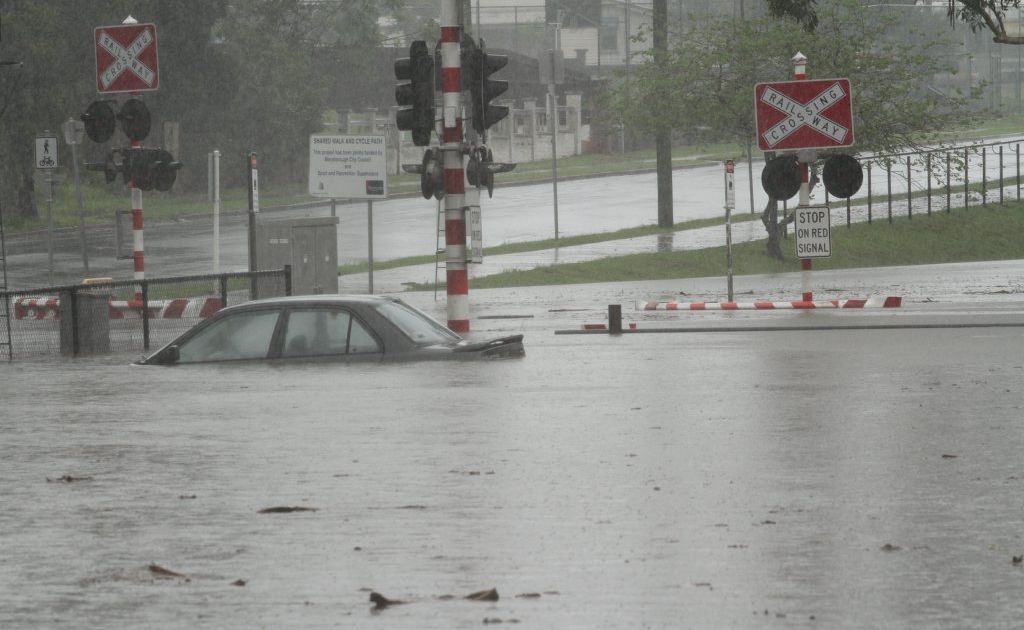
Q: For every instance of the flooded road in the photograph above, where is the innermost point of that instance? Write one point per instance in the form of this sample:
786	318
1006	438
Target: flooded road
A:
830	479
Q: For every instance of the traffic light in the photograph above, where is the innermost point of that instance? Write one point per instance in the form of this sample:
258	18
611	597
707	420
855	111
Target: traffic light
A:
135	119
842	175
484	89
153	168
482	167
99	121
416	98
150	168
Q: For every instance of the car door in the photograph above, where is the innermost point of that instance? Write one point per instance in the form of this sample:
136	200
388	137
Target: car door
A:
314	332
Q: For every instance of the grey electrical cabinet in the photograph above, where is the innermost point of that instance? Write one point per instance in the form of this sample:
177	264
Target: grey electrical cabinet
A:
310	246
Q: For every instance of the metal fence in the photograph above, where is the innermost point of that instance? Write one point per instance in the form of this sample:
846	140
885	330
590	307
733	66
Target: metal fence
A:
937	180
125	316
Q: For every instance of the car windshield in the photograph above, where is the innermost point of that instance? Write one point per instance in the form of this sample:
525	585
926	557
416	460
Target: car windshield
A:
416	325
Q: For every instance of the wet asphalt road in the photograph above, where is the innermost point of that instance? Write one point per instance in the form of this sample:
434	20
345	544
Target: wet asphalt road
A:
408	226
806	479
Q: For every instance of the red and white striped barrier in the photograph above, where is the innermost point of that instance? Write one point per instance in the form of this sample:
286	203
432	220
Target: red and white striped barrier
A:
167	309
49	308
37	308
888	302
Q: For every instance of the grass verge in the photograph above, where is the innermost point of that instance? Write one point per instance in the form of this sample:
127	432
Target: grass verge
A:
963	235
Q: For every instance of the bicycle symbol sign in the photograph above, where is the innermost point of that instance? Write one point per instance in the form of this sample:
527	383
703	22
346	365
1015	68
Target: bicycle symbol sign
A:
46	152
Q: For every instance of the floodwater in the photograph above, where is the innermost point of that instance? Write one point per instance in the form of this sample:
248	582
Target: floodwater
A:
839	479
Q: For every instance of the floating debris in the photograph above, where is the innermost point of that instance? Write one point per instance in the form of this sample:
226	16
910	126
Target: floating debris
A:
186	496
490	595
890	547
286	510
528	595
156	569
1017	559
67	479
949	456
380	602
490	620
238	583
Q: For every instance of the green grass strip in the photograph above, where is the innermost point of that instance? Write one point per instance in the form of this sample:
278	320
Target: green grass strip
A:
978	233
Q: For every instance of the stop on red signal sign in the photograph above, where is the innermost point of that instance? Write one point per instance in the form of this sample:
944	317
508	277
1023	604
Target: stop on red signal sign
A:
794	115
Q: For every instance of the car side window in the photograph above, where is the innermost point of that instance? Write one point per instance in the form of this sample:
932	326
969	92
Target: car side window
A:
360	340
319	332
237	336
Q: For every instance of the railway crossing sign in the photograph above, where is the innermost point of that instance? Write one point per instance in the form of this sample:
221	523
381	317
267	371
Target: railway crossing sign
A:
809	114
126	58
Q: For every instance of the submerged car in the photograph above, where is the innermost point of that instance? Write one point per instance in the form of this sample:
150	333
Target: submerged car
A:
352	328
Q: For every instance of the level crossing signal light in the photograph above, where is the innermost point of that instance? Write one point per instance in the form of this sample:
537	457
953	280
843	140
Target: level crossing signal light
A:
150	168
99	119
416	95
484	89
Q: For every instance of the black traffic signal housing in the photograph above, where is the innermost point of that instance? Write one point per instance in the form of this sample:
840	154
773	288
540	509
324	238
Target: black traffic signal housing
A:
135	119
483	89
416	94
150	168
781	177
842	175
99	121
482	167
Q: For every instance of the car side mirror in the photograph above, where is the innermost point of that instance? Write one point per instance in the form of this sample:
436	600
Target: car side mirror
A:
171	355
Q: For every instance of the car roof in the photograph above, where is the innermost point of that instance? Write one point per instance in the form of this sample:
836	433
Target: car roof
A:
317	300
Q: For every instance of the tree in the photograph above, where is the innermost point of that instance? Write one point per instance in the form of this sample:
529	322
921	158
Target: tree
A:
977	14
706	87
990	14
238	75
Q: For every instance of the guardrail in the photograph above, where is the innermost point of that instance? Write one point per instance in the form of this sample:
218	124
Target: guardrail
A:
100	317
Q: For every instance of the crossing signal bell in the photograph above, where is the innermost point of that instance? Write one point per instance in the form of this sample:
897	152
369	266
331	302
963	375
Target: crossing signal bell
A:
416	95
484	89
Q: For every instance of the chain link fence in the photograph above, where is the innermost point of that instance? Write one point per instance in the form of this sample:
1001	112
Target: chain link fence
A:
126	316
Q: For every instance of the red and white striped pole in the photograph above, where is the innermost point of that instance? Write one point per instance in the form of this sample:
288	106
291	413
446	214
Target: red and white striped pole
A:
454	173
800	73
137	243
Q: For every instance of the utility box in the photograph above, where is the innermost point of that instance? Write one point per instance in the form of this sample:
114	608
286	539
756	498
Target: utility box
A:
85	323
310	246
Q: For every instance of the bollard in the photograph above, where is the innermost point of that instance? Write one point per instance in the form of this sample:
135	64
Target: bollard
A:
615	319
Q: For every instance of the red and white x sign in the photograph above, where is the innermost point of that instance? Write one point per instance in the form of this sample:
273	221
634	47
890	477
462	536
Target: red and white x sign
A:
793	115
126	59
